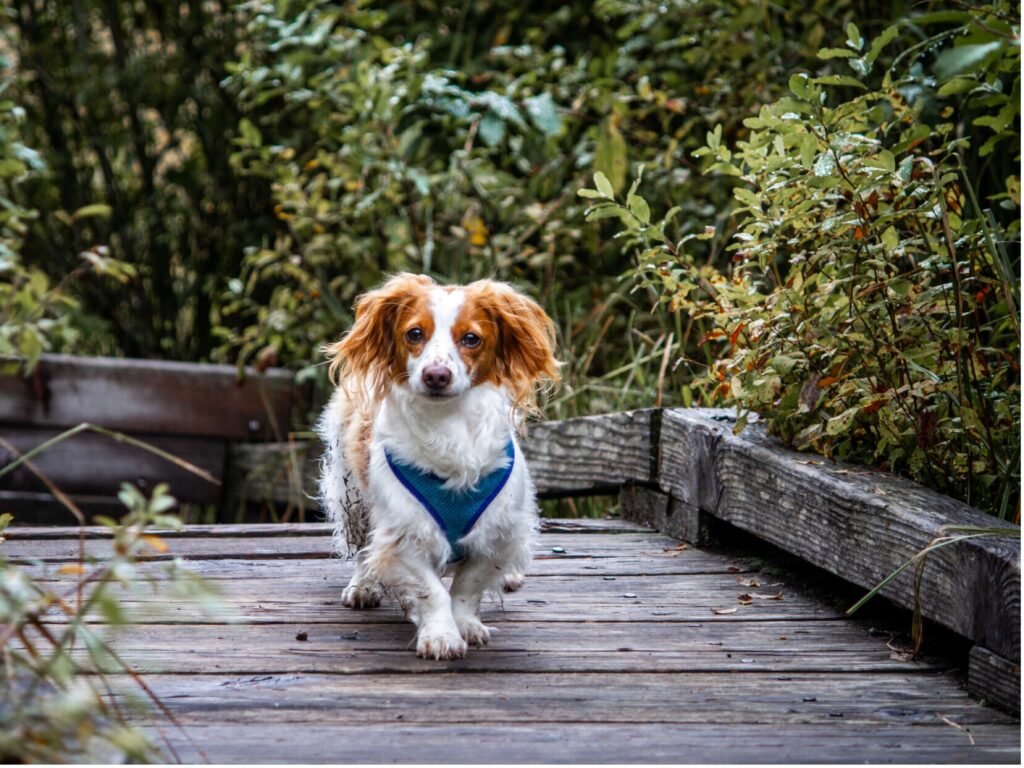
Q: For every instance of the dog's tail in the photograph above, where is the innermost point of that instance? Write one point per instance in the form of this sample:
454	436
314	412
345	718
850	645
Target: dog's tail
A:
339	493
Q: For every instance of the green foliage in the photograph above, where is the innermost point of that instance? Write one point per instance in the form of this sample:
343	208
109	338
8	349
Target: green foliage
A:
51	710
35	315
124	104
872	312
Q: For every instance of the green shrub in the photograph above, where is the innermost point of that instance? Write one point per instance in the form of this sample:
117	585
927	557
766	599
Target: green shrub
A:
872	311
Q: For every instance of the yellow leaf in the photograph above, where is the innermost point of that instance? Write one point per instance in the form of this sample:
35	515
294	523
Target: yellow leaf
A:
475	229
155	542
74	568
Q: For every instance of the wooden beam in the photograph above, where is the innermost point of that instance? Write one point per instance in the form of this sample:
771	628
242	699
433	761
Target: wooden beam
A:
855	522
994	679
592	454
149	396
95	465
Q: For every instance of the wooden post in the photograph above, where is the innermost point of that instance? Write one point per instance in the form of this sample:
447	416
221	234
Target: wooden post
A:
666	513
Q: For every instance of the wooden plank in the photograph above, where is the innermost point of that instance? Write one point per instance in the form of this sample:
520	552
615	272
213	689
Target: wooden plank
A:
20	549
600	743
35	508
994	679
96	465
739	648
693	697
854	522
290	530
316	598
592	454
149	396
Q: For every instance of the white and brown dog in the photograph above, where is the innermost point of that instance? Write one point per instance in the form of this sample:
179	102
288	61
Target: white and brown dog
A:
422	474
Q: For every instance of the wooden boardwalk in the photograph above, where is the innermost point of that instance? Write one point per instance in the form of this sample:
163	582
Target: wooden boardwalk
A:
622	647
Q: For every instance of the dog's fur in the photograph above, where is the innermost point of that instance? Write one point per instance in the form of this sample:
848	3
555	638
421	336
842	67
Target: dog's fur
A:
441	377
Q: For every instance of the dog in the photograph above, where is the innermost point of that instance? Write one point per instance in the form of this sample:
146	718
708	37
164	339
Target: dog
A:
422	473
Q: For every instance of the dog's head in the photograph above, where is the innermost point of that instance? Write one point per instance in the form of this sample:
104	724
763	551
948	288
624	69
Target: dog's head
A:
440	341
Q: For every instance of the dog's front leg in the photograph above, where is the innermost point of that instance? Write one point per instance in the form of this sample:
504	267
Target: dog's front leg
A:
427	603
474	577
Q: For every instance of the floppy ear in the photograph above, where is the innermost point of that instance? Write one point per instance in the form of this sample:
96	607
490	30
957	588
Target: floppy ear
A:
525	354
368	351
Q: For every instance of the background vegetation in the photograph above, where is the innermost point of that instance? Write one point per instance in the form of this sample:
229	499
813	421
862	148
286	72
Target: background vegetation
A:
827	229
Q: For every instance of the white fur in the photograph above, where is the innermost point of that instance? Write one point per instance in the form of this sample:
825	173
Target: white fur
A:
460	438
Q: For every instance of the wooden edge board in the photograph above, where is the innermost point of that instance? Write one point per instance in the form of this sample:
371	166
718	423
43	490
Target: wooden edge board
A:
859	524
149	396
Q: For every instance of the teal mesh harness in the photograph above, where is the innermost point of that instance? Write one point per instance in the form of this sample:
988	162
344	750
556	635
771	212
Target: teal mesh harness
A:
456	512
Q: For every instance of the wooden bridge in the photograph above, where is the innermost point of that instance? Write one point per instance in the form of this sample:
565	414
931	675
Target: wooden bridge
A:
625	645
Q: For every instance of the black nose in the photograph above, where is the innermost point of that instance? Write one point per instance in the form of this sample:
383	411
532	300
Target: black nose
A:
436	377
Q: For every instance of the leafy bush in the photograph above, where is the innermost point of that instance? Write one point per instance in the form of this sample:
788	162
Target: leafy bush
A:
873	309
56	686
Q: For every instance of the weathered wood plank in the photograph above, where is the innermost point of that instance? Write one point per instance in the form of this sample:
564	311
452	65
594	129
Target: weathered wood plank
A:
994	679
667	698
856	523
94	464
20	549
775	647
592	454
664	512
148	396
290	530
580	742
317	599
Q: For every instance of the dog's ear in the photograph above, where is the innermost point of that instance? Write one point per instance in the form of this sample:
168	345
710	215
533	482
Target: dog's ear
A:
369	350
525	355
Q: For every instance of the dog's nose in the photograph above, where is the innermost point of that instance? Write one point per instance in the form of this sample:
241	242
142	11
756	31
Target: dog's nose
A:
436	377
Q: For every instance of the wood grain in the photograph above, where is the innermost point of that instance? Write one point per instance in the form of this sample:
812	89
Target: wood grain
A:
591	454
584	665
96	465
857	523
150	397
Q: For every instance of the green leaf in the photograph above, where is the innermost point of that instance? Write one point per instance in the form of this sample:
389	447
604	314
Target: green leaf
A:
799	84
491	129
958	84
955	61
887	36
541	110
837	425
591	194
836	53
604	187
853	38
101	210
846	80
639	208
611	154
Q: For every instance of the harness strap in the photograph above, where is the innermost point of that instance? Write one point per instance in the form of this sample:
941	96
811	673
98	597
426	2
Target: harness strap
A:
455	511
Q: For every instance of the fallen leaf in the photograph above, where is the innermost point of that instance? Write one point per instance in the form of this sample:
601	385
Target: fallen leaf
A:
777	596
71	568
745	599
752	583
155	542
723	611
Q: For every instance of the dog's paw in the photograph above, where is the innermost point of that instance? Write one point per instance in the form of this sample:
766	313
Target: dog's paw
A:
473	630
513	582
442	644
361	596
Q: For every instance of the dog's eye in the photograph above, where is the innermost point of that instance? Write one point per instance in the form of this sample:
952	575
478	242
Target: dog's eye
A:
471	340
414	335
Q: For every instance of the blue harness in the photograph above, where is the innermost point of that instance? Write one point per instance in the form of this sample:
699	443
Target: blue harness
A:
455	511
